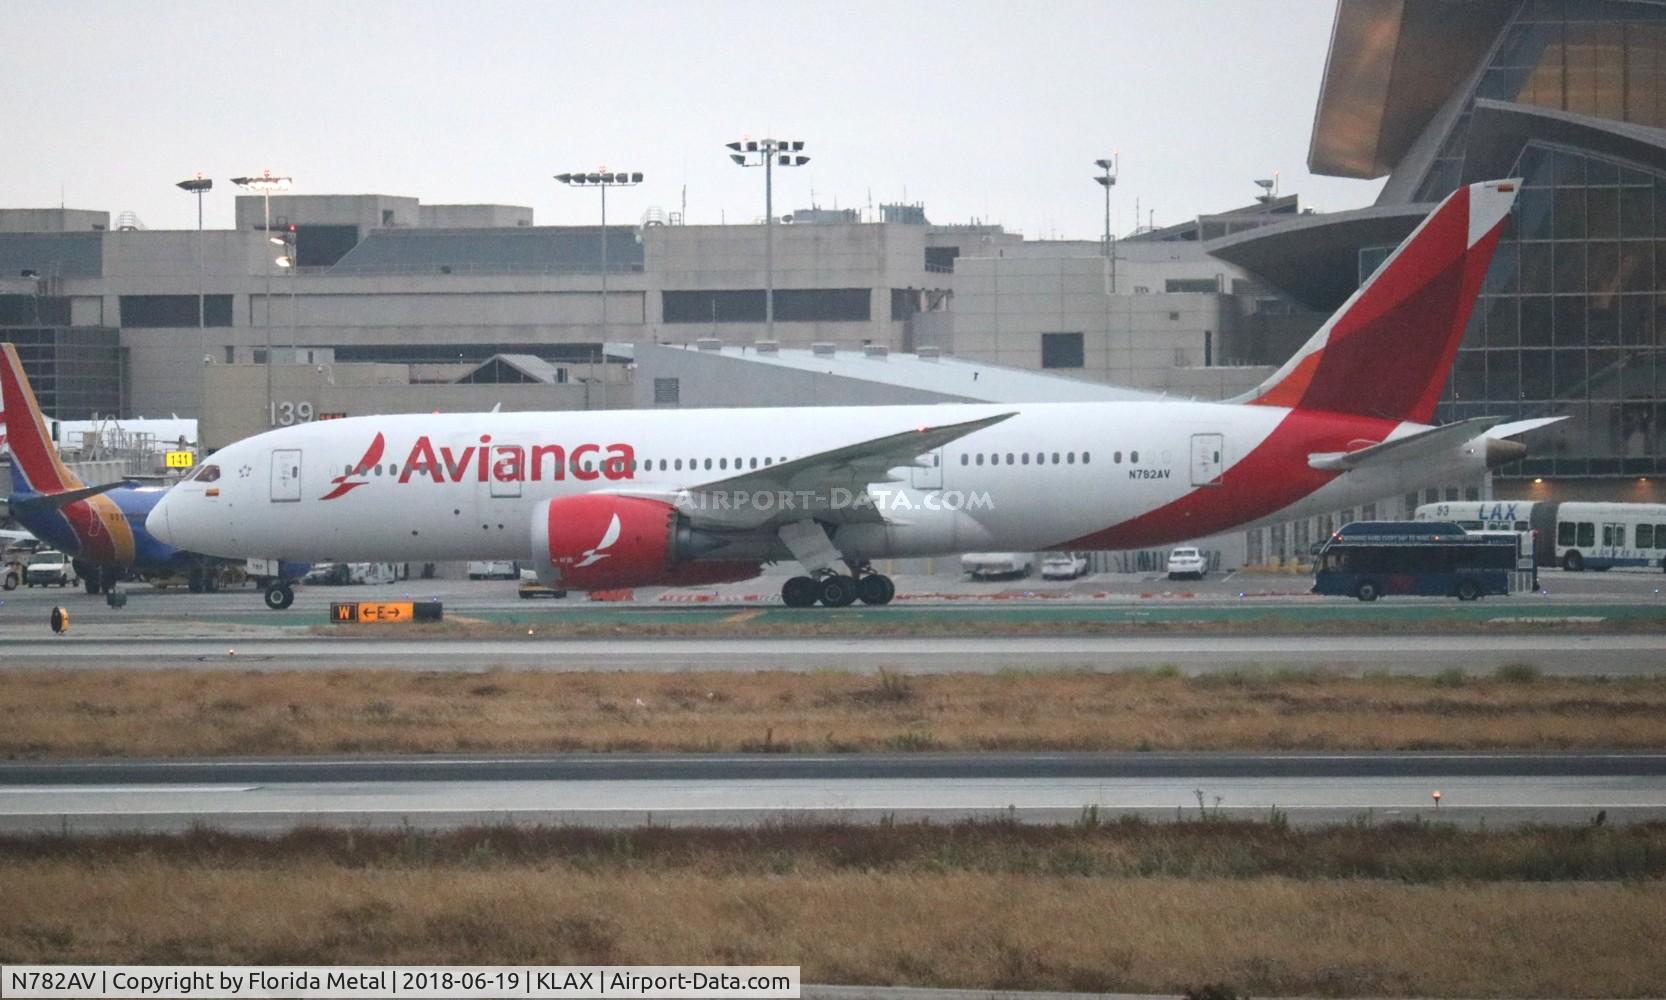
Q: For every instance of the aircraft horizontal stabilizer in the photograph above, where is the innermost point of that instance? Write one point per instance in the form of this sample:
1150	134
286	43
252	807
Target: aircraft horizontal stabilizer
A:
1411	448
53	501
1523	426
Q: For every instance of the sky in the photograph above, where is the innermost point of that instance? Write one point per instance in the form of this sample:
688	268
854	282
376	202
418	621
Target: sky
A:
988	110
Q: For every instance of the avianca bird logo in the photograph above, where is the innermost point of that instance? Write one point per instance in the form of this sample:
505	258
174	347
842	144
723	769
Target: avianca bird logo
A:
346	484
596	555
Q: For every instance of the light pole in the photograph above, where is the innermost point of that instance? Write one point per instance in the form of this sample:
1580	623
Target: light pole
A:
199	186
266	184
769	154
287	239
1107	180
604	180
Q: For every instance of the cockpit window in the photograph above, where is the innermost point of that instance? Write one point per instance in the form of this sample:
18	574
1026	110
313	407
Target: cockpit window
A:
205	474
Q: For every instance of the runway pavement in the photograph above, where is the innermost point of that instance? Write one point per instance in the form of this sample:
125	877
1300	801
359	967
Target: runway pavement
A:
1574	654
632	790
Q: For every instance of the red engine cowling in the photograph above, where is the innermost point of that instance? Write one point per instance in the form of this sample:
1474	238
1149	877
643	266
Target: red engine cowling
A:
601	542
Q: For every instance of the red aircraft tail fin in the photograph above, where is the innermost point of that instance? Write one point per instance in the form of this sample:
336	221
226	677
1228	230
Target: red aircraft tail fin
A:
1388	351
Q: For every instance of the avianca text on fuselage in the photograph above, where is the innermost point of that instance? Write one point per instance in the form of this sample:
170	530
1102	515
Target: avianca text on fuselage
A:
516	463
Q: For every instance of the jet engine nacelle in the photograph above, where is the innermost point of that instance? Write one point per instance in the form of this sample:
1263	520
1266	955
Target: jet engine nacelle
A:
601	542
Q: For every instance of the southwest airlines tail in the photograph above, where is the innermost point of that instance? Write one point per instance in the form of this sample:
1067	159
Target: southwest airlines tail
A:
36	467
1388	351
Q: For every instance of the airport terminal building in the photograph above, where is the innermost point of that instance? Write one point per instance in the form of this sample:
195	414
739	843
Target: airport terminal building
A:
1569	96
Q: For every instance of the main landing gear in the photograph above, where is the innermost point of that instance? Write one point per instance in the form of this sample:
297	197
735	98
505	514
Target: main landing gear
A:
810	545
279	595
837	590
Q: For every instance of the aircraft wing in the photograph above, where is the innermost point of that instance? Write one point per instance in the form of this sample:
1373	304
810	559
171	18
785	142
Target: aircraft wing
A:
826	485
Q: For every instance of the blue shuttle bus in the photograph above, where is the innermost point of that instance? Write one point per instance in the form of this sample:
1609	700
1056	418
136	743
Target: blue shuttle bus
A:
1370	559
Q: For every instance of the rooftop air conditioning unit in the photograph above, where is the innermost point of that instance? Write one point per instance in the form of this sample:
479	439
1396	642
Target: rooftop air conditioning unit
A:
875	350
709	344
930	353
822	349
767	347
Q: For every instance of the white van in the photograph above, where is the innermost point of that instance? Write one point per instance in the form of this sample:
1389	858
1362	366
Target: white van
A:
499	569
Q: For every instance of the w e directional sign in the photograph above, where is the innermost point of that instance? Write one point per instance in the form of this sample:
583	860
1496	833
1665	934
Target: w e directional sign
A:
383	612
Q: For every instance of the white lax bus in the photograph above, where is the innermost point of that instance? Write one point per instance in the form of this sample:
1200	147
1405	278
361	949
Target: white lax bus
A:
1575	535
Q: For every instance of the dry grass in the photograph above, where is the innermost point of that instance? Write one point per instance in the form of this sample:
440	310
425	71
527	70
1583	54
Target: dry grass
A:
910	906
192	713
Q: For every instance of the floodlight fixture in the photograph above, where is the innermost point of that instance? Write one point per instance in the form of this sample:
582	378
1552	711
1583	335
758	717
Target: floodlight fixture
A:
603	179
769	154
1107	180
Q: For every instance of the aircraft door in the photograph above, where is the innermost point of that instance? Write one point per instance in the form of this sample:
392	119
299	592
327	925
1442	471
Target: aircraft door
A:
1208	459
929	474
286	475
504	489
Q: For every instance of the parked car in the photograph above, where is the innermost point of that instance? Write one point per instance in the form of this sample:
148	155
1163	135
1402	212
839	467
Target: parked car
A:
497	569
1063	566
49	567
1187	563
983	565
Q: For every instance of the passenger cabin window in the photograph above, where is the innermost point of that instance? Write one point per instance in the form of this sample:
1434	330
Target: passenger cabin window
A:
1587	533
1086	458
1564	533
1645	536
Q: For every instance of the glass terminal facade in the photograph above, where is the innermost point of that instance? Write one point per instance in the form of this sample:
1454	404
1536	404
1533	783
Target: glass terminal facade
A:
1572	318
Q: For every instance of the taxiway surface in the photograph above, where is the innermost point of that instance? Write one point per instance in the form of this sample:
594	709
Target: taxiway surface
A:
633	790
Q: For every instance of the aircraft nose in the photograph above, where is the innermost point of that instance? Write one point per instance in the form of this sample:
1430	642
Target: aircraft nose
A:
156	522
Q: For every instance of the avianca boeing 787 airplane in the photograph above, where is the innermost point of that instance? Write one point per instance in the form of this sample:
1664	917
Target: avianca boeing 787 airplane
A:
634	498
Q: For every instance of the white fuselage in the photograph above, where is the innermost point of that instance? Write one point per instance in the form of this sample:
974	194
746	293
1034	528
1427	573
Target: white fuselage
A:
1052	475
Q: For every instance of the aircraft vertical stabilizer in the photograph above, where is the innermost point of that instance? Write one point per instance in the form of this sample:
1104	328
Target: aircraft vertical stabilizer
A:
1388	351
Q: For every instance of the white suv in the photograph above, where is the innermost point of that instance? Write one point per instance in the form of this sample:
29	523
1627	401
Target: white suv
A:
1186	563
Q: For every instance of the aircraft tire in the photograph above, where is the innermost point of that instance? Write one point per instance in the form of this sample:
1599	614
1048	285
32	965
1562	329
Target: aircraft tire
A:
799	592
837	591
279	596
91	583
876	589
